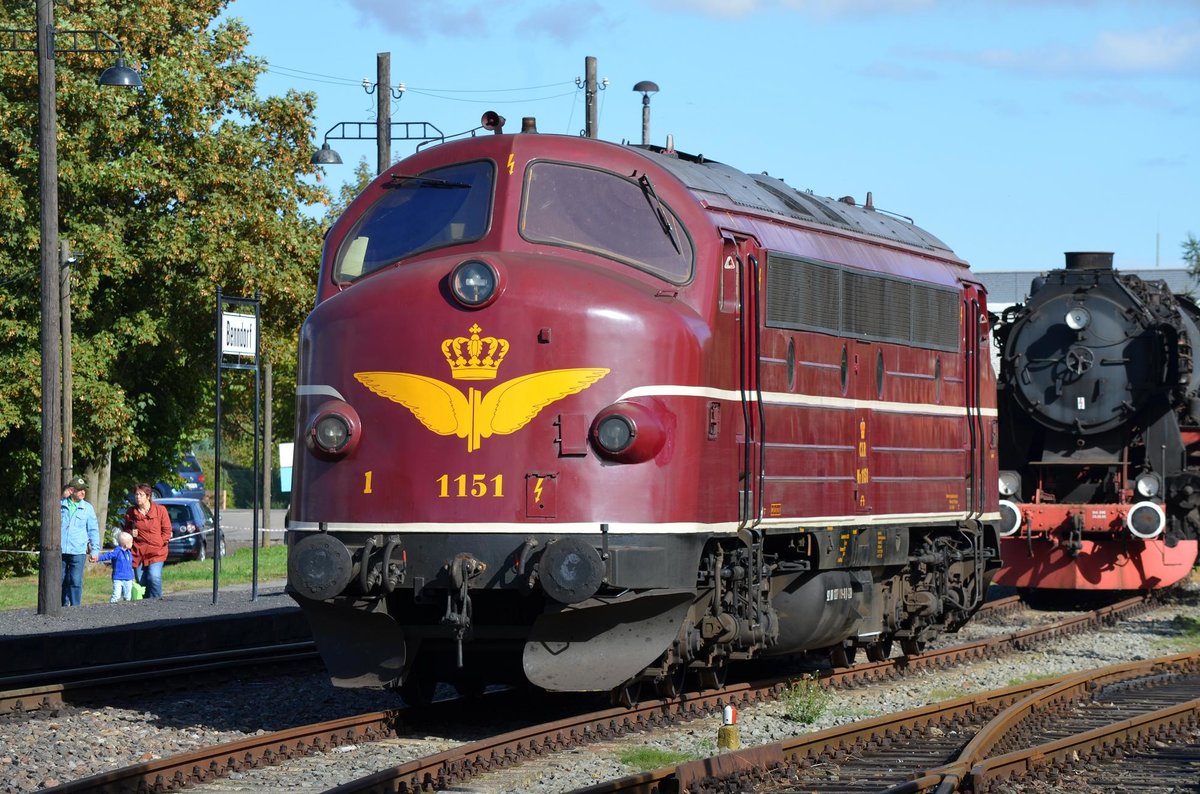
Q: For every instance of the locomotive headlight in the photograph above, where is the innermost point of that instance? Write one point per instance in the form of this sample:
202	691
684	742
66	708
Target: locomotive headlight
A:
1148	484
331	433
614	433
333	430
1010	483
474	284
1078	318
629	432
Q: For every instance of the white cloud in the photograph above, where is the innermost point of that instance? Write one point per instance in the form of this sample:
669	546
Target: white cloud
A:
712	8
565	22
898	72
1121	95
1160	51
418	19
837	8
822	9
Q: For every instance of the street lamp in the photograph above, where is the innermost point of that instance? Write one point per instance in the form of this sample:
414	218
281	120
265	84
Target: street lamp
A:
44	44
646	88
353	131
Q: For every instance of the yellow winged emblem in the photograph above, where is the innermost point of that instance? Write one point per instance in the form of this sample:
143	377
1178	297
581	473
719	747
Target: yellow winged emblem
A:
505	409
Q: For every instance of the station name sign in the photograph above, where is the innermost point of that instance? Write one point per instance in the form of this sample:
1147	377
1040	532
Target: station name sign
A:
239	334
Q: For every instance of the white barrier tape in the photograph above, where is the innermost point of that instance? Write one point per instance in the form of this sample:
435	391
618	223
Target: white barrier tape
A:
175	537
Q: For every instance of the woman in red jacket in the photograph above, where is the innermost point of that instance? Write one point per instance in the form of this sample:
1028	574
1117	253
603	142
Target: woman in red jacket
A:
151	529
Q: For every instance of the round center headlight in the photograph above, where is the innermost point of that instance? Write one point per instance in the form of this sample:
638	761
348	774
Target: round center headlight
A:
474	283
1078	318
1147	485
615	433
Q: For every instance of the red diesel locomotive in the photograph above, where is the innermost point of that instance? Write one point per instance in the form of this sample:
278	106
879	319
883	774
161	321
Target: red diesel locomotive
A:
1100	417
596	415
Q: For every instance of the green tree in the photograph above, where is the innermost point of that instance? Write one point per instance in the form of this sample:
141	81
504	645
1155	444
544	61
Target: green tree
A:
363	174
1191	255
194	184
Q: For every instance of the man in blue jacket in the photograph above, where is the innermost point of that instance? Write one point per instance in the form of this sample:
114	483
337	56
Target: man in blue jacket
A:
80	539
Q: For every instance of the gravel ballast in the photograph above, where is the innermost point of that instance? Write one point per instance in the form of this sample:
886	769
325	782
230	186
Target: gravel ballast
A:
42	750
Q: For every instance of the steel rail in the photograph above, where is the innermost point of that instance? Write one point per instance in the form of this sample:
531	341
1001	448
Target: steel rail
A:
463	762
979	761
459	764
689	775
51	689
1147	727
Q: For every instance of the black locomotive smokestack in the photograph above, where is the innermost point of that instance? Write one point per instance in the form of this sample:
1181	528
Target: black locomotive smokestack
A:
1089	260
529	124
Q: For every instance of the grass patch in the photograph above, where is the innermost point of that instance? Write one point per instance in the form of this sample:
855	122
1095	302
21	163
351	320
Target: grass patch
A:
806	701
236	569
938	695
1186	638
1029	678
643	759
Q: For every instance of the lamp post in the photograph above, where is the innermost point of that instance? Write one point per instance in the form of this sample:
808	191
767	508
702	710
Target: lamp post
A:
353	131
386	130
44	44
646	88
65	260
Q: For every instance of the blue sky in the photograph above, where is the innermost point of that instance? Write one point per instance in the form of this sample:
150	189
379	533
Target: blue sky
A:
1012	130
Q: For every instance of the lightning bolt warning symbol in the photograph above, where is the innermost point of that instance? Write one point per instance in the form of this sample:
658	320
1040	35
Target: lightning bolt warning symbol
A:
537	489
511	159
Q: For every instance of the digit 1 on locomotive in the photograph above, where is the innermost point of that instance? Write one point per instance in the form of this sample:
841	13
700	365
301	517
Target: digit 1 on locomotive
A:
596	416
1100	416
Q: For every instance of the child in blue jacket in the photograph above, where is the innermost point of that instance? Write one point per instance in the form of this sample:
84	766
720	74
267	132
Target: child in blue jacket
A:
122	563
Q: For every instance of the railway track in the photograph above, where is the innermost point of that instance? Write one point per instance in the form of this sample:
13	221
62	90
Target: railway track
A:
1041	731
457	765
54	688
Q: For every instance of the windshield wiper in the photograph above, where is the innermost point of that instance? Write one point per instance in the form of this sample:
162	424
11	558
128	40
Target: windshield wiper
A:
398	180
664	219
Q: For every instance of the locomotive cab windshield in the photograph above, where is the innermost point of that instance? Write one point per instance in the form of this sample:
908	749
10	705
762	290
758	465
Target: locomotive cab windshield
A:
603	213
445	206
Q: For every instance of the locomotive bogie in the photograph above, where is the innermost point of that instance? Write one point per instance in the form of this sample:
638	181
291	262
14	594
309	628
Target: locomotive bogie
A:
601	416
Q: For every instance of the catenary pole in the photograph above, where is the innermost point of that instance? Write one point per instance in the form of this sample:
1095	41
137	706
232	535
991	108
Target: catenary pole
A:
383	95
591	126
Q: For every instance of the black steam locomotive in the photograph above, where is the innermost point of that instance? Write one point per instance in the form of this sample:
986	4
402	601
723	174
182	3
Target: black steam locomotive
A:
1099	408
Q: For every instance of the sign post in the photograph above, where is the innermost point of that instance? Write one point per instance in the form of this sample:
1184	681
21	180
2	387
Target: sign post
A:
237	341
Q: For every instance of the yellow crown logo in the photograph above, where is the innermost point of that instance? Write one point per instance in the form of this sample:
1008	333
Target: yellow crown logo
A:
467	357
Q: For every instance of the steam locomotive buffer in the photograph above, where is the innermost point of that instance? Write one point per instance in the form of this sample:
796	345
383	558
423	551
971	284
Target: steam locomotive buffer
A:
1099	412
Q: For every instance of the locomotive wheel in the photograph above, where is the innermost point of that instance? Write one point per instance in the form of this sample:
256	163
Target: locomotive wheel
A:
672	684
418	690
629	694
912	647
842	655
879	651
713	677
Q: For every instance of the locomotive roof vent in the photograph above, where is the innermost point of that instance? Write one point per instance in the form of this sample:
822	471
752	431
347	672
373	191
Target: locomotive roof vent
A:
529	124
1089	260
